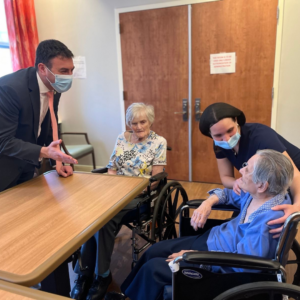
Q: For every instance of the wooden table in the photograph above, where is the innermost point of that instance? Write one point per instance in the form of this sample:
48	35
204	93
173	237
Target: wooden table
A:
10	291
44	220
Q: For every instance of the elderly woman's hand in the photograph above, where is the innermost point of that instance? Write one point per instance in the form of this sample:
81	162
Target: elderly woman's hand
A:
236	187
174	255
200	215
288	209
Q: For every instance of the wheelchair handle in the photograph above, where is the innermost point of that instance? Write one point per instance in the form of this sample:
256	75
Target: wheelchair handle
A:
178	259
174	264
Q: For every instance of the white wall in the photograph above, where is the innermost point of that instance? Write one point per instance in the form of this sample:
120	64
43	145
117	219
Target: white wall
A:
92	105
87	27
288	115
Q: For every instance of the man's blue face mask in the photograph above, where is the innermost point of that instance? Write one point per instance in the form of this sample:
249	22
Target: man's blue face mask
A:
62	82
231	143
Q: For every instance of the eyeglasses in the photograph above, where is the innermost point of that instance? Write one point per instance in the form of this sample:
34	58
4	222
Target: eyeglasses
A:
245	164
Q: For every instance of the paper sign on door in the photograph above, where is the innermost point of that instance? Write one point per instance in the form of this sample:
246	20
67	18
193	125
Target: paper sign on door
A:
222	63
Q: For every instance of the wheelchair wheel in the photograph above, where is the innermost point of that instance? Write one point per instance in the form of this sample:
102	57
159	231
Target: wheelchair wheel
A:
296	249
166	211
262	290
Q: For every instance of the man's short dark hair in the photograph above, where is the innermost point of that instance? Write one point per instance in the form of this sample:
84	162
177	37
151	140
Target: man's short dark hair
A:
49	49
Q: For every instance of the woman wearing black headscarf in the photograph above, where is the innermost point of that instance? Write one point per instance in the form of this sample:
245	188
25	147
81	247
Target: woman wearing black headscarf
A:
236	141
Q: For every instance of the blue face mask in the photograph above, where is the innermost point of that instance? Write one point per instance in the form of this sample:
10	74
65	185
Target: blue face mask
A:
62	82
231	143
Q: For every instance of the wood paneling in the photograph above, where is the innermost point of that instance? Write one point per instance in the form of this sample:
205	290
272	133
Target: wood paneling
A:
249	29
154	46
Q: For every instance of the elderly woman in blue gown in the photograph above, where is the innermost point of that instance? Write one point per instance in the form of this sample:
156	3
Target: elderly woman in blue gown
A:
265	179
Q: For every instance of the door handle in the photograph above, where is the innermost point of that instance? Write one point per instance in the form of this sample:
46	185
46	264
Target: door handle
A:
184	111
198	111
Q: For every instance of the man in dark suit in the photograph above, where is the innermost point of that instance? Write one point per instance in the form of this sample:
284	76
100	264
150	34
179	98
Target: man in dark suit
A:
25	122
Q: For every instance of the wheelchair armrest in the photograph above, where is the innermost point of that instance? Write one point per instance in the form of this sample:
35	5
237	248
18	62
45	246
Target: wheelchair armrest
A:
100	170
198	202
225	207
158	177
231	260
195	202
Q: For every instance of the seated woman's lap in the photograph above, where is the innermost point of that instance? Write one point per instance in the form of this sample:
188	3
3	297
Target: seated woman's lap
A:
150	280
130	209
168	247
154	261
127	214
93	248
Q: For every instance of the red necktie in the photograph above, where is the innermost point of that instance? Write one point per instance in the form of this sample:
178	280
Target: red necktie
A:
54	125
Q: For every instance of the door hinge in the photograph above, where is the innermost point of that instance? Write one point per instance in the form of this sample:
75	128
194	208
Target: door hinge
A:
120	28
272	93
124	96
277	13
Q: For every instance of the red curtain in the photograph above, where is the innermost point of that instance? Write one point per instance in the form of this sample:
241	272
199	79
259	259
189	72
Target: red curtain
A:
22	32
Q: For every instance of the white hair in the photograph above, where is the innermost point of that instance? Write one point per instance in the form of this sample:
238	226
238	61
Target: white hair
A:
136	109
276	169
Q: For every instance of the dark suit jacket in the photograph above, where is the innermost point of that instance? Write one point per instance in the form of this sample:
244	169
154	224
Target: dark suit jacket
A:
19	120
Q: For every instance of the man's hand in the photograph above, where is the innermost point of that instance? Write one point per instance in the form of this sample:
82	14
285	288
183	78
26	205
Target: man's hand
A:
53	152
174	255
62	170
236	187
288	209
200	215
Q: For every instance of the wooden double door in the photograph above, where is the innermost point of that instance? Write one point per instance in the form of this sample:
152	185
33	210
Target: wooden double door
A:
159	70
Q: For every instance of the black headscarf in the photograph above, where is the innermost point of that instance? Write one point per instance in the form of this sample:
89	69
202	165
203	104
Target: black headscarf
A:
216	112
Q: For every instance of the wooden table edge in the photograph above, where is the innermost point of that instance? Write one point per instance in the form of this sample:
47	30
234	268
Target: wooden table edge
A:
28	292
65	252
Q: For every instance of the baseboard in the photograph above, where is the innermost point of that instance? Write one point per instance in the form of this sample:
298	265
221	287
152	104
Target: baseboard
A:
85	168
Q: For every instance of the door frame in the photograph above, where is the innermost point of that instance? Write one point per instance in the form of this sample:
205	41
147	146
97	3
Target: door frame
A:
276	76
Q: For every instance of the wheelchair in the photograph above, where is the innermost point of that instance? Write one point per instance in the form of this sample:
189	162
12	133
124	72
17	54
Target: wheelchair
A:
194	282
155	216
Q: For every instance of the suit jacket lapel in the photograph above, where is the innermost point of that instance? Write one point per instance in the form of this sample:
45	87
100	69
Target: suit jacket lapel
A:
34	92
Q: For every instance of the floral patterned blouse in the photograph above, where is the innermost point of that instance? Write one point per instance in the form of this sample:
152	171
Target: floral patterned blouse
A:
132	159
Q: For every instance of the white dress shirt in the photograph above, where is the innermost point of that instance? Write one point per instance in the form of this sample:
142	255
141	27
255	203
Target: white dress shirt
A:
43	100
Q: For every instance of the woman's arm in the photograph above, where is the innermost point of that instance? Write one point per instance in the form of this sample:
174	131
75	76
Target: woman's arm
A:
112	172
112	166
226	172
160	159
227	175
217	196
286	208
201	214
157	169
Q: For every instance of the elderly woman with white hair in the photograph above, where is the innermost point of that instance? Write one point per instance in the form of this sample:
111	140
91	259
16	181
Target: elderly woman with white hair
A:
266	177
138	152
